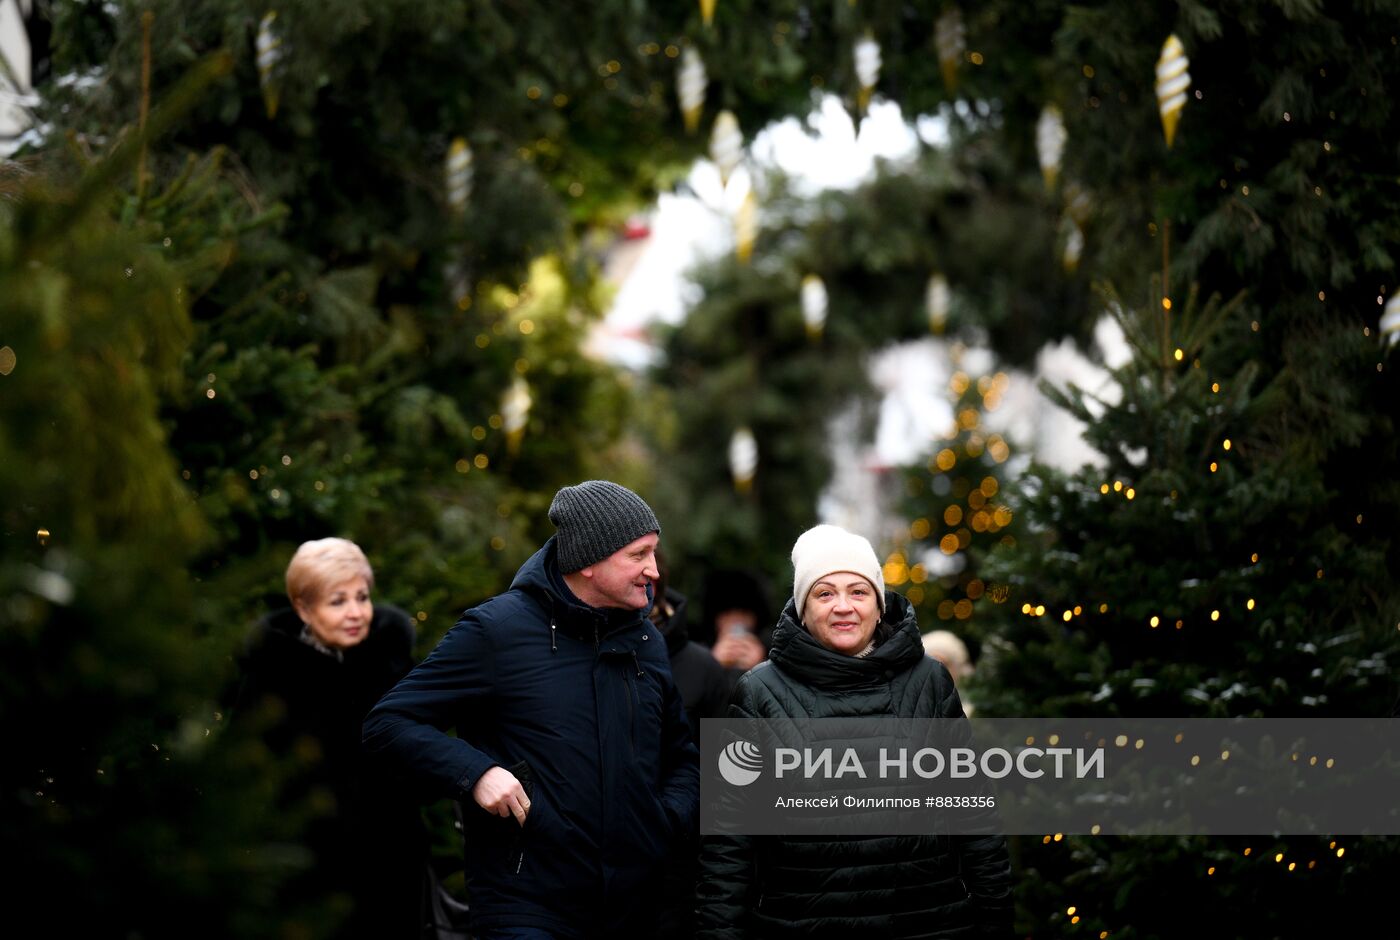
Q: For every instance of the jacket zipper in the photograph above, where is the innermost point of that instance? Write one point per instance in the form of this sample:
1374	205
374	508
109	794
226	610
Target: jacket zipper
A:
631	719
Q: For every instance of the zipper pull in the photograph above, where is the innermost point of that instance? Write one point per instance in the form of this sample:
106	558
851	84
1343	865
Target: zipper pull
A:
638	664
553	646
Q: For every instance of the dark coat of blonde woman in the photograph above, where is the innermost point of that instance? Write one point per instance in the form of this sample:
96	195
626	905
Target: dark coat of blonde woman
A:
310	675
845	648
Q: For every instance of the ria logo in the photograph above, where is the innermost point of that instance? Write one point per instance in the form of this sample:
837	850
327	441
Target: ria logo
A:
740	763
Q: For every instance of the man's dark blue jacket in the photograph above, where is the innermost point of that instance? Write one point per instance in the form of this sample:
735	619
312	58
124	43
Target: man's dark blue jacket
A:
578	702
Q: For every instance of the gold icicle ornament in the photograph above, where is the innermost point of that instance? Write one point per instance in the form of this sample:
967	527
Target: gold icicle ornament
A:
868	62
950	37
814	305
269	50
707	11
1172	82
515	413
1050	143
459	175
1390	321
743	459
937	301
691	82
726	144
746	227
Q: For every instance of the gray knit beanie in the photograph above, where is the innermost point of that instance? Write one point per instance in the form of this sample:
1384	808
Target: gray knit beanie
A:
595	519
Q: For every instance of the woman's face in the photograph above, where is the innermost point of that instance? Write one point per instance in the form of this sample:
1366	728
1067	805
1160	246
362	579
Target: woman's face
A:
340	616
841	612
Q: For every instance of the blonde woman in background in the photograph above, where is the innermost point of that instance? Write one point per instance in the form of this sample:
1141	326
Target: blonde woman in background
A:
311	672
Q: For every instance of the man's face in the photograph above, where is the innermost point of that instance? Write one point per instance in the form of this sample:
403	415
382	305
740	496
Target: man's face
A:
621	579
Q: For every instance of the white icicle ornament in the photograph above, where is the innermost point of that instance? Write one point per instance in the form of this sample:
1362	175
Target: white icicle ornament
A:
726	144
743	459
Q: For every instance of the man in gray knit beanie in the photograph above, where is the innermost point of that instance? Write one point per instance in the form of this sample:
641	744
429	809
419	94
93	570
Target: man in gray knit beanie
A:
595	519
564	701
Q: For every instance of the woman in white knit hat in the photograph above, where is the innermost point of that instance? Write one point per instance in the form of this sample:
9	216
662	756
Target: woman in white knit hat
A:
845	648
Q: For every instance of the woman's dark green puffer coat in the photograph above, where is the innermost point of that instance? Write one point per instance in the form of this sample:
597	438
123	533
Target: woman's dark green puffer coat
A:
872	886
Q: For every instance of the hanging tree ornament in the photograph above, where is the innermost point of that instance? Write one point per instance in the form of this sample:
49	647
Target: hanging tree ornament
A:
1390	321
1077	208
743	459
951	39
690	88
1172	82
937	300
269	49
459	175
867	68
814	305
746	227
1050	143
1074	244
515	413
726	144
458	278
707	11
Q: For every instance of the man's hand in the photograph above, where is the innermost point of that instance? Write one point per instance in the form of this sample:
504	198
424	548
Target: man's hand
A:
497	791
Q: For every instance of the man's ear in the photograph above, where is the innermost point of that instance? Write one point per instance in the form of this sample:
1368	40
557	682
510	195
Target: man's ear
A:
586	572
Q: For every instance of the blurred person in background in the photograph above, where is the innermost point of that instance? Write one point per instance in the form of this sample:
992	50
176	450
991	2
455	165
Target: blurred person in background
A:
704	687
701	679
845	648
310	674
946	647
737	620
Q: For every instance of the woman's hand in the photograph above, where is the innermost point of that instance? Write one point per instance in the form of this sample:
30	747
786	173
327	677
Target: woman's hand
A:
739	649
497	791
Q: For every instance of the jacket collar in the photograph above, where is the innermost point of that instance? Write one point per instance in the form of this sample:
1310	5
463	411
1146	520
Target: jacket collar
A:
540	578
900	649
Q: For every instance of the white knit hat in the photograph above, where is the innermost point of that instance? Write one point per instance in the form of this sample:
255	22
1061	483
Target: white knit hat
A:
825	549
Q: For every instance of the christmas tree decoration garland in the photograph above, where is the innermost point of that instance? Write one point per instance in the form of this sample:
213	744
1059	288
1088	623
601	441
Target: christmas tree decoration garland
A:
691	82
1172	82
269	49
743	459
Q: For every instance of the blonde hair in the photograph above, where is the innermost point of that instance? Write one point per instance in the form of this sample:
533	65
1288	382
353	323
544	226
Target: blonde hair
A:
948	649
324	563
